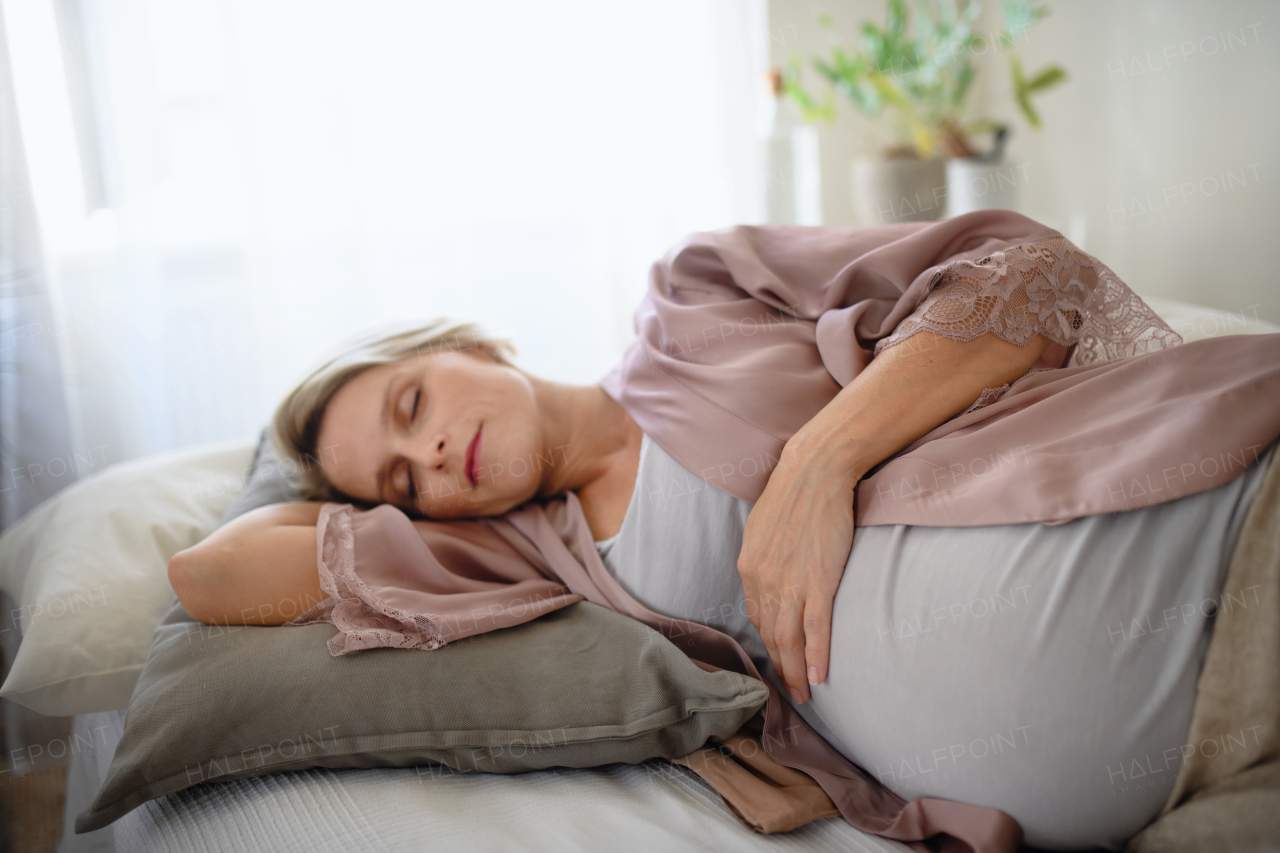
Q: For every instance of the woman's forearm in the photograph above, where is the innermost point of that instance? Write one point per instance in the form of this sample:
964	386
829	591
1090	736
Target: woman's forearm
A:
798	535
906	391
258	569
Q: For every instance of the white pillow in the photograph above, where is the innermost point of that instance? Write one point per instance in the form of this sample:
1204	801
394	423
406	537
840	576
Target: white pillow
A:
87	570
1196	322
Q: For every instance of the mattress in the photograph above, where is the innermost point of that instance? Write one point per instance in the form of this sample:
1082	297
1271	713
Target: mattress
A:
651	806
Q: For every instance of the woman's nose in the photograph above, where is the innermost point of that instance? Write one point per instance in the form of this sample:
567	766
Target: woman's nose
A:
429	451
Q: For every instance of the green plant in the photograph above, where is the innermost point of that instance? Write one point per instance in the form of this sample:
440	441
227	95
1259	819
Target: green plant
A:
920	69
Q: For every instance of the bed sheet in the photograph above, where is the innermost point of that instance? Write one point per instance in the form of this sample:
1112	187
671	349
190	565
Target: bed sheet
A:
652	806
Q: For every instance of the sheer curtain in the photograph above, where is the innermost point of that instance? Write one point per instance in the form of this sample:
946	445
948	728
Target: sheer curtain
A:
37	455
230	187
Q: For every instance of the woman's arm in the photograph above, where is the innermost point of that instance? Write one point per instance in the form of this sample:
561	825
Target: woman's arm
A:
798	535
258	569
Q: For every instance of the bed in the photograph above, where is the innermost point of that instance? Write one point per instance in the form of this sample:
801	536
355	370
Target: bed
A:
652	806
655	805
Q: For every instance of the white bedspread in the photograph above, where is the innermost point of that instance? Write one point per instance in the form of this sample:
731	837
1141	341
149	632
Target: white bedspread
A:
651	807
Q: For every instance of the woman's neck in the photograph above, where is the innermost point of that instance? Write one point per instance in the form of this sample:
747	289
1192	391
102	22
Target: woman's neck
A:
585	431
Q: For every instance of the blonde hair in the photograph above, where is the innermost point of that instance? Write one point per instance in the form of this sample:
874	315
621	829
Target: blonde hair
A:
295	427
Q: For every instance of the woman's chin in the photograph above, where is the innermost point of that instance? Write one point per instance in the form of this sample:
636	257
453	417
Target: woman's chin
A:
475	505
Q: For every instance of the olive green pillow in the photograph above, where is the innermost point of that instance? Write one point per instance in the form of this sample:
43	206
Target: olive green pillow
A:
579	687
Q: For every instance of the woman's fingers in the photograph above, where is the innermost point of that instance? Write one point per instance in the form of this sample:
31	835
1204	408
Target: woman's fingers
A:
795	625
777	612
756	606
817	635
789	636
778	629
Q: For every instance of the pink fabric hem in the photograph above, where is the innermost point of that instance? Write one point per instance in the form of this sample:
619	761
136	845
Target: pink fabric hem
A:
1042	287
363	619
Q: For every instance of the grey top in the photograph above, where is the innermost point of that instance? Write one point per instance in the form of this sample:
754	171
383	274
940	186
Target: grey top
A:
1048	671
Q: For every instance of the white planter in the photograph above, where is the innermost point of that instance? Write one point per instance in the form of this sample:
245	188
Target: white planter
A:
978	185
898	190
793	170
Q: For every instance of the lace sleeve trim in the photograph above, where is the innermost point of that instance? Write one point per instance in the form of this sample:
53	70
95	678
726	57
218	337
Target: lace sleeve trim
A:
363	620
1046	287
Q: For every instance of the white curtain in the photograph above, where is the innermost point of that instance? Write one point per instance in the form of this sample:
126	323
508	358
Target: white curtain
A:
37	455
230	187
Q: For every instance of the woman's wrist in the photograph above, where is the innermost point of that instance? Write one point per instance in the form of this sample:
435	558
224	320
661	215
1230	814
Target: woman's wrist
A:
901	395
836	450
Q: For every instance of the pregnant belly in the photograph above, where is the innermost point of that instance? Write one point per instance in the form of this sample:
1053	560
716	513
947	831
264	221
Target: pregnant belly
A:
1047	671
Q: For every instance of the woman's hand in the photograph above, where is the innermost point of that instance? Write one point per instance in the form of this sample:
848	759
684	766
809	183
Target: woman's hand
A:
794	548
798	535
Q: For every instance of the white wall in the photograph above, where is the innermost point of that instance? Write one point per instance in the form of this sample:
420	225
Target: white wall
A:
1159	156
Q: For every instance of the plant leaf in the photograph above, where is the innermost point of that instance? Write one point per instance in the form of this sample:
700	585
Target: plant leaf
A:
1033	117
810	110
917	64
897	23
964	77
1021	93
890	92
1047	78
1019	15
923	140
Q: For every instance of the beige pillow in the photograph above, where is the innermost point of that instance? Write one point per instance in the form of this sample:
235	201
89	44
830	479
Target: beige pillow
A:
578	687
1196	322
87	570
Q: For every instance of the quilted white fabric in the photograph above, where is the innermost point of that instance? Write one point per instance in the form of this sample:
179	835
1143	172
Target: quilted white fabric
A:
647	807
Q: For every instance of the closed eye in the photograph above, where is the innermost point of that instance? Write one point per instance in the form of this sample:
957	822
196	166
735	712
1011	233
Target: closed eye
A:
411	492
413	409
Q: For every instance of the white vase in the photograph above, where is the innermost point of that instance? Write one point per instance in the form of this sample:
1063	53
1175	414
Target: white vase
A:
793	175
899	189
980	185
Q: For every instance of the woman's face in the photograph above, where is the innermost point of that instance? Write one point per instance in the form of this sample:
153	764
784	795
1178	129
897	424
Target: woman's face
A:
447	435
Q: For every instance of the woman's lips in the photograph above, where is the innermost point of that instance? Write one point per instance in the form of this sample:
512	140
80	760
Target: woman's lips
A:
473	458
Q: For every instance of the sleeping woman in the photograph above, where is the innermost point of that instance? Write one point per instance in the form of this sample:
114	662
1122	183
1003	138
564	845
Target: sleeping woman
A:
1002	651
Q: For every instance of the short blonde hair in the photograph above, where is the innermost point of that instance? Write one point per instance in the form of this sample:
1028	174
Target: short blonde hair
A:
295	427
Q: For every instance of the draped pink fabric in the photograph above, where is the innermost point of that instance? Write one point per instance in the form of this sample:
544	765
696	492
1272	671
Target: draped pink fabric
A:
450	580
1079	441
746	333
